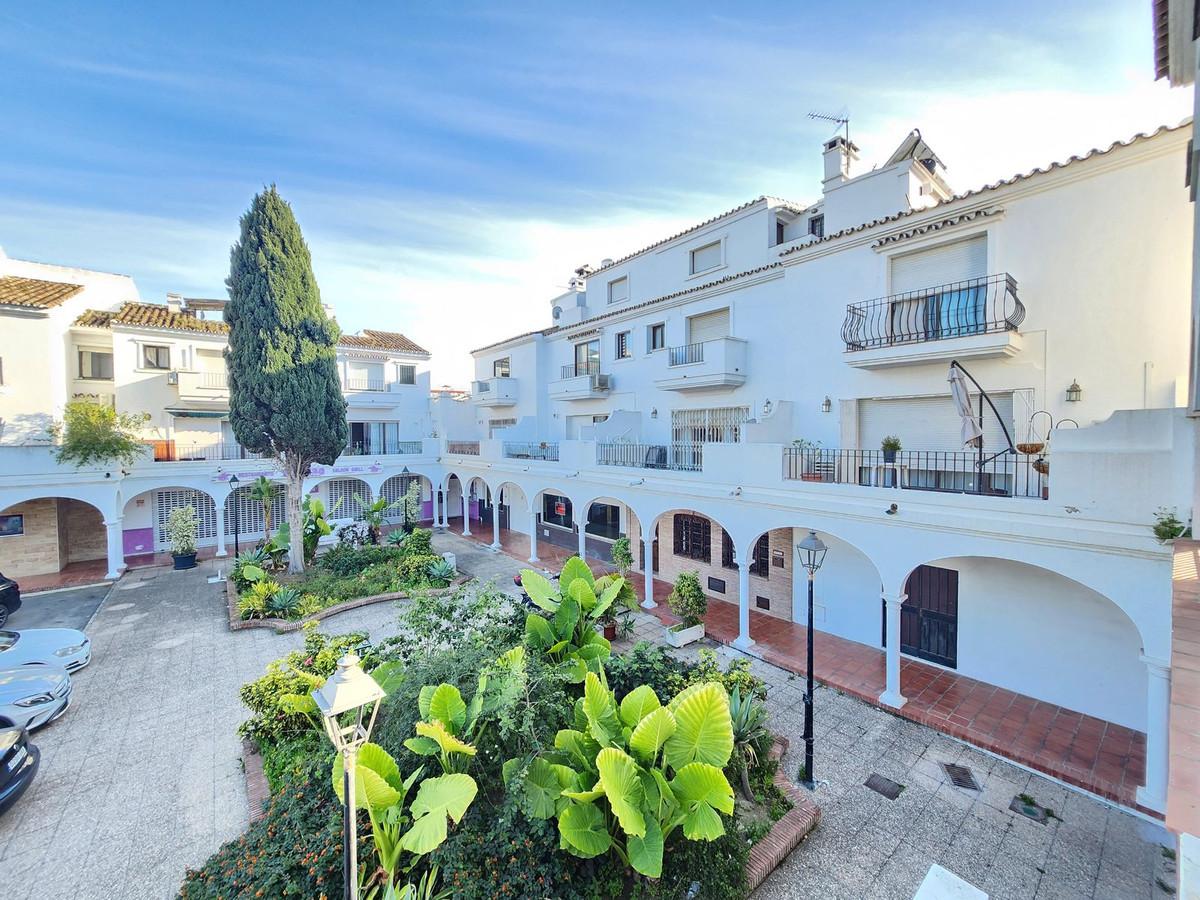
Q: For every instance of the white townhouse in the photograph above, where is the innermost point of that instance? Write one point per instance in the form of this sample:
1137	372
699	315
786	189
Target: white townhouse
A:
67	333
717	394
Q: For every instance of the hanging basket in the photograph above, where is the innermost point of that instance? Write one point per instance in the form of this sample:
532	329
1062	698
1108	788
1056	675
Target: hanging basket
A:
1031	448
1041	466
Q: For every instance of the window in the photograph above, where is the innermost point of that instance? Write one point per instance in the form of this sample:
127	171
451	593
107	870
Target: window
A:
760	562
156	356
656	337
495	425
604	520
727	554
618	290
556	510
623	350
779	229
706	257
500	368
816	226
693	536
587	358
11	526
406	374
94	365
722	425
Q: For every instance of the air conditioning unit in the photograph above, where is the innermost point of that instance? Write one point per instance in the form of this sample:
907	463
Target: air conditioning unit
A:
603	382
172	378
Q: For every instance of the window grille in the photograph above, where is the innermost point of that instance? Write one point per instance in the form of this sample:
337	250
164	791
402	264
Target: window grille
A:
693	535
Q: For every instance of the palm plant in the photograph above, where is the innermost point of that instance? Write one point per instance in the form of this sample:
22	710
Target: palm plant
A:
262	490
373	514
750	735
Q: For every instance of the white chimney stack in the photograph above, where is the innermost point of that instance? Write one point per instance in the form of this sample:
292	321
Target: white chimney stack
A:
840	157
174	303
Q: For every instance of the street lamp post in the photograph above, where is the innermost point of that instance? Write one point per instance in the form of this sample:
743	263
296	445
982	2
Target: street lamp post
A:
811	553
233	483
404	486
349	693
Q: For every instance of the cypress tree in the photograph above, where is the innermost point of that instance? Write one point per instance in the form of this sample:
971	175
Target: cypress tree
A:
285	399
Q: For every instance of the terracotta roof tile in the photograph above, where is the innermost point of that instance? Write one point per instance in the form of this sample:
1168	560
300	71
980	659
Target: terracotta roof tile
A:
94	318
371	339
155	315
33	293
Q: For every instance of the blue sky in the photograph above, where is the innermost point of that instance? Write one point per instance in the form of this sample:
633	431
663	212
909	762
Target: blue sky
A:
450	165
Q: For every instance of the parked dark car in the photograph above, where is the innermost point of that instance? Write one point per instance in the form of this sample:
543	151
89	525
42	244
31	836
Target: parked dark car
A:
10	598
18	765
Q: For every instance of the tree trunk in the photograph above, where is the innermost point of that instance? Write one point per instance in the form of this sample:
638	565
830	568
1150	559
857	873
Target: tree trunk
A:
295	495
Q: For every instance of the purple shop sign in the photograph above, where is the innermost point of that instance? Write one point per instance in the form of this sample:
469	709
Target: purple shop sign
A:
319	470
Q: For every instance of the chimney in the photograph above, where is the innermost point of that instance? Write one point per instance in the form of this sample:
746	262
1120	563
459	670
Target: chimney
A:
174	303
840	157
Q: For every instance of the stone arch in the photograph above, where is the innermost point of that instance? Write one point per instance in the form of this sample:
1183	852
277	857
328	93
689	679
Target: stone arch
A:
44	533
393	488
143	516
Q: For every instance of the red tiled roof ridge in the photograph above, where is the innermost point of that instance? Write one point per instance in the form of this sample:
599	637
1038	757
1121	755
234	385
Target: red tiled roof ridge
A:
35	293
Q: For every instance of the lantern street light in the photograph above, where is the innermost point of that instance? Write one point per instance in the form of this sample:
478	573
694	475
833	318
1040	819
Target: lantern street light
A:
404	484
233	483
349	693
811	553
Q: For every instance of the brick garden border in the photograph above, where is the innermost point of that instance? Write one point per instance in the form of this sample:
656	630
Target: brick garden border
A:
282	626
258	791
787	833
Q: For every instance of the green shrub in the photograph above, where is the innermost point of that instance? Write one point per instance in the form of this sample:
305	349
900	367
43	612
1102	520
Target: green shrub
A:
284	603
346	560
311	604
418	543
255	603
294	850
687	600
622	555
649	664
736	676
248	568
440	573
282	761
413	569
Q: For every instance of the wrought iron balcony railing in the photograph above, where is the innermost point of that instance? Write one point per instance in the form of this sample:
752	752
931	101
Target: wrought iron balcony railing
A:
947	471
547	452
170	451
685	355
574	370
977	306
365	384
463	448
676	457
383	448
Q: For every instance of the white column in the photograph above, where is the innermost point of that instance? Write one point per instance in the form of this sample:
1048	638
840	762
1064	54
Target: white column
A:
116	554
1153	794
496	524
533	557
220	505
743	640
648	571
466	505
891	695
799	581
582	540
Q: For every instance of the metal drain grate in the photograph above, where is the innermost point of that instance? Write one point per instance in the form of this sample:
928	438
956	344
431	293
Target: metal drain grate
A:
961	776
884	786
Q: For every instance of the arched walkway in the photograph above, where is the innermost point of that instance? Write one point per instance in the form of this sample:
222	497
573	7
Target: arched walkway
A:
57	537
144	518
394	490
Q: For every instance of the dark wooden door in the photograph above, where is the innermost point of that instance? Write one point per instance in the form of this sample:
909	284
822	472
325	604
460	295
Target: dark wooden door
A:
642	554
929	617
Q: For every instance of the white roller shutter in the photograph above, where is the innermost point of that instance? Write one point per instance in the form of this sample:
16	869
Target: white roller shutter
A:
176	498
948	263
929	423
709	326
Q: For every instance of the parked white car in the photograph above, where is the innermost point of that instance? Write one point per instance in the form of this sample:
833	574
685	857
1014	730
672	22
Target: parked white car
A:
33	696
64	647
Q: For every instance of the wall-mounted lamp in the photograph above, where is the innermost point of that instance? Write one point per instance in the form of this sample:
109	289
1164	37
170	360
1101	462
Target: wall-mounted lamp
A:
892	510
637	482
1074	392
736	492
826	404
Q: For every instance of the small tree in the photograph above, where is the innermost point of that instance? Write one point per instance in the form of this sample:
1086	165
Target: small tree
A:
285	399
263	491
622	556
181	530
93	433
373	515
687	600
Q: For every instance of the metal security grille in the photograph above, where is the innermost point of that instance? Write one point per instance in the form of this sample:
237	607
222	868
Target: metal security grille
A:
250	519
176	498
495	425
693	535
342	490
719	425
393	491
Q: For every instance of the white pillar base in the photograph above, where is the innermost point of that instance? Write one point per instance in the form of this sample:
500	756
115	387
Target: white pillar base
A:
742	643
221	554
648	604
895	701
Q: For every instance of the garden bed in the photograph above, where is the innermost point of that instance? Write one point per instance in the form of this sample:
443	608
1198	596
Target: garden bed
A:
282	626
787	832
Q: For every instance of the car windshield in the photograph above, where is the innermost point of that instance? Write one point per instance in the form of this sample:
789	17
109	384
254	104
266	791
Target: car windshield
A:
8	640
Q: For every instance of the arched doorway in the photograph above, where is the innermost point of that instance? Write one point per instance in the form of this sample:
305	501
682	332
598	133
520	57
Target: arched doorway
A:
49	535
396	488
144	521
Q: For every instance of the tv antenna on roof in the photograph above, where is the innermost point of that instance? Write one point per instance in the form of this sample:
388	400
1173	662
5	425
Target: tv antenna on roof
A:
842	121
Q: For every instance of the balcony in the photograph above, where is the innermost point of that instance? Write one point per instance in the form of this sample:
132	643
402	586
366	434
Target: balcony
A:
719	363
356	385
492	392
580	381
202	385
943	471
539	450
673	457
383	448
463	448
977	318
170	451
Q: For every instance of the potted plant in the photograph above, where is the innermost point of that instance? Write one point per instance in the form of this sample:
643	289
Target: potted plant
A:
181	534
608	622
687	601
890	446
809	453
1168	526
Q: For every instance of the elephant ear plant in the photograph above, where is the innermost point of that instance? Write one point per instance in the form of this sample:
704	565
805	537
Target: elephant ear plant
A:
568	635
628	774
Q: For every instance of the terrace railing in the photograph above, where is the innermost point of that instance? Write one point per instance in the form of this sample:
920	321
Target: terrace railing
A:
365	384
575	370
463	448
547	452
976	306
677	457
170	451
686	354
946	471
384	448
